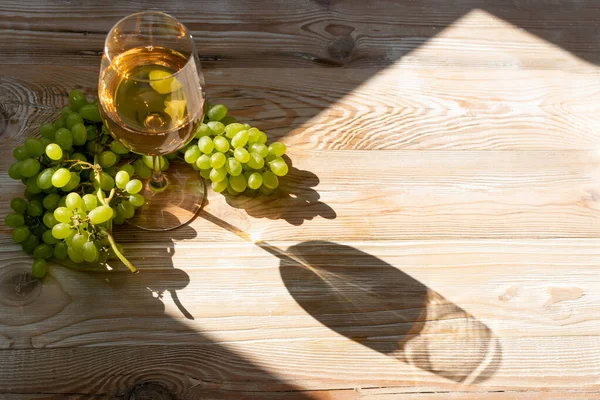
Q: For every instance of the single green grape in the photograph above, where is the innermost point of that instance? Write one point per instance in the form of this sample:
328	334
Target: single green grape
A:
191	154
35	208
216	127
129	169
220	186
92	147
126	209
66	110
30	167
31	185
279	167
20	153
29	244
106	182
61	122
232	129
79	133
90	202
118	219
233	166
238	183
47	131
246	125
218	174
277	149
14	170
255	180
49	220
217	160
203	162
63	214
60	250
90	112
137	200
50	202
121	179
232	191
221	144
254	134
76	257
259	149
78	241
39	268
206	145
107	159
73	182
217	112
73	119
133	186
64	138
101	214
256	161
44	179
20	234
61	177
45	142
141	170
34	147
270	180
19	205
74	201
77	99
205	173
91	132
48	238
262	137
118	148
203	130
43	250
54	151
90	252
14	220
240	139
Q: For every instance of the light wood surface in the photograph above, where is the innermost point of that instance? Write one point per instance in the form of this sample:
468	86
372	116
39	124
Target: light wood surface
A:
438	236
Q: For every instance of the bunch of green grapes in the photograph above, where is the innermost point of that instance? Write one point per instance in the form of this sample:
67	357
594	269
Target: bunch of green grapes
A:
235	156
74	190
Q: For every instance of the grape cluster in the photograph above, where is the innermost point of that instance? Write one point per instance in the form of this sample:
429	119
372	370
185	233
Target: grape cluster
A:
234	156
74	190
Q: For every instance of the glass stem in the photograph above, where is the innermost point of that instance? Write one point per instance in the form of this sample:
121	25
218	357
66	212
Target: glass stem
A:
158	180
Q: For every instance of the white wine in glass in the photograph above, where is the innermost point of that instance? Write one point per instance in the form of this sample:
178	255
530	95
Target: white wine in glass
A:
151	95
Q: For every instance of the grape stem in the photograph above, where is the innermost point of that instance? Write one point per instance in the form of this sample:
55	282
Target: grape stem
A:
125	261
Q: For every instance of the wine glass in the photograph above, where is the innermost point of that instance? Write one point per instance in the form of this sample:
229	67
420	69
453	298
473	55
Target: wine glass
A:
151	96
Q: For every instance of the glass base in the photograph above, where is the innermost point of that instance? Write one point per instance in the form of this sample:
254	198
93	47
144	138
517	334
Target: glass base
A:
173	206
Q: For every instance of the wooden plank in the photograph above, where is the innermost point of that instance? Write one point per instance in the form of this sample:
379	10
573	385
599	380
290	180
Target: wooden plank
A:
392	394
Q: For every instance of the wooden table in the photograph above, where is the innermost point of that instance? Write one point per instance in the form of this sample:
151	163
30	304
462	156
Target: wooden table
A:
438	236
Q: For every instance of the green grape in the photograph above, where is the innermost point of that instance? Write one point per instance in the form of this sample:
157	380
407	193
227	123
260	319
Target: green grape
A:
19	205
61	177
34	147
219	187
121	179
205	173
241	154
62	202
270	158
191	154
43	250
203	130
90	252
118	219
218	174
221	144
278	166
216	127
63	214
137	200
50	202
20	153
90	112
35	208
14	220
45	142
44	179
90	202
20	234
228	120
126	209
262	137
31	185
91	132
240	139
79	157
79	133
256	161
217	160
77	99
238	183
141	170
265	191
76	257
112	171
277	149
78	241
74	201
129	169
54	152
149	162
73	119
217	112
233	167
232	191
133	186
73	182
255	180
118	148
232	129
66	110
246	126
101	214
59	123
64	138
29	244
14	170
259	149
270	180
203	162
254	134
107	159
60	250
106	182
30	167
39	269
206	145
47	131
49	220
48	238
92	147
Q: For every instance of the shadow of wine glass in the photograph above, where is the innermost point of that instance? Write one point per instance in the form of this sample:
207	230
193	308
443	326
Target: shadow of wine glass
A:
375	304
